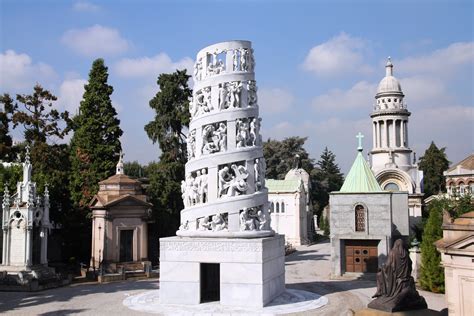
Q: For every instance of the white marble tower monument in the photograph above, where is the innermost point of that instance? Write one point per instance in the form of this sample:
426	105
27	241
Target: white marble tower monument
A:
225	249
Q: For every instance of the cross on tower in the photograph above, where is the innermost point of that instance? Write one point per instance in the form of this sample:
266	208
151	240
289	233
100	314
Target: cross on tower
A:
360	136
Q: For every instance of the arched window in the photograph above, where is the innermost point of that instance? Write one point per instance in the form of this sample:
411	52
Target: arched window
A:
391	187
359	218
272	207
277	207
283	207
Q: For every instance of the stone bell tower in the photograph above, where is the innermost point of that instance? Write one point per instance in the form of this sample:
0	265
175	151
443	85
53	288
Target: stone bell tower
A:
393	161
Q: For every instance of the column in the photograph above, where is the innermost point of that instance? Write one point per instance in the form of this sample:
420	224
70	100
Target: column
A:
394	136
402	133
384	134
28	246
44	246
406	133
374	137
5	245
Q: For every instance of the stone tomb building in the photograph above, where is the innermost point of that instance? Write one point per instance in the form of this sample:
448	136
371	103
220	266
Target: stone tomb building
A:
120	215
364	221
26	226
457	258
225	249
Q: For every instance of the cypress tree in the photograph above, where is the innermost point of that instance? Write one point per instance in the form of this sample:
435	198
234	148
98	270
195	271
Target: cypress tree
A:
432	274
6	108
95	145
433	163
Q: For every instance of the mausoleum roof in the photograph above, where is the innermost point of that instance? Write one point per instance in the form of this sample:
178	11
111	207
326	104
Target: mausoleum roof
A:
280	186
389	84
360	178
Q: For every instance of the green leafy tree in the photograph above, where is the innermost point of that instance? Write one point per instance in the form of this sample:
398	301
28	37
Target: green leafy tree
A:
6	109
40	120
280	156
134	169
95	145
433	163
328	178
171	105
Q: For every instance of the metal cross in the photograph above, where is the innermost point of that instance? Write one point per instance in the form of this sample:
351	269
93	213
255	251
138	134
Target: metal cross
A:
360	136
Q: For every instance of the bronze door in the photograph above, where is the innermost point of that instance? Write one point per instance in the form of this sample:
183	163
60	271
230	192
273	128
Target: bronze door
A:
361	256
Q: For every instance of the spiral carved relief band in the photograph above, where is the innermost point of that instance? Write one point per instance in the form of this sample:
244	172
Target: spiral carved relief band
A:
224	192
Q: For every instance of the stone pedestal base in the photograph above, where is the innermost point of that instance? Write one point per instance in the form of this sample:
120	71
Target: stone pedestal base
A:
418	312
252	271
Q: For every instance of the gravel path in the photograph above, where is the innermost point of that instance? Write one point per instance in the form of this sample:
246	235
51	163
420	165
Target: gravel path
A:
307	269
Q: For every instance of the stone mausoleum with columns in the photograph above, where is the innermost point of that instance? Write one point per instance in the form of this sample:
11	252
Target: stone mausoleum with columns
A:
392	160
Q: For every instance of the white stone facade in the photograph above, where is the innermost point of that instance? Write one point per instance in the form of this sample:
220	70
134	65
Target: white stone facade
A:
392	160
25	224
224	191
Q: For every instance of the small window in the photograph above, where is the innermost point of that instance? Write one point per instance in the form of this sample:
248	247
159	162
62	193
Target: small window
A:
395	100
389	100
359	218
283	207
393	187
277	207
272	207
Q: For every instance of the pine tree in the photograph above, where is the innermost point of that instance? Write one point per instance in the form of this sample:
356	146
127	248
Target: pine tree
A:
328	178
433	163
95	145
6	109
432	274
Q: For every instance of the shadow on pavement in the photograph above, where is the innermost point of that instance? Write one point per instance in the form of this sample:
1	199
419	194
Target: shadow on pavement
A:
63	312
329	287
10	301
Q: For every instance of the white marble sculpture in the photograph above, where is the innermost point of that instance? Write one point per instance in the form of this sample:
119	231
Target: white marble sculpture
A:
225	219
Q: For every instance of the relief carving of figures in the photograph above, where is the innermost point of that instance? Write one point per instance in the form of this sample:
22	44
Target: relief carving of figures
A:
233	181
247	62
259	173
214	138
235	89
218	223
252	93
202	102
253	219
203	223
223	96
198	69
191	144
248	132
194	189
216	65
235	60
184	226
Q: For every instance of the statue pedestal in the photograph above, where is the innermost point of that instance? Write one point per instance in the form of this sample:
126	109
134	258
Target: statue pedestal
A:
244	272
418	312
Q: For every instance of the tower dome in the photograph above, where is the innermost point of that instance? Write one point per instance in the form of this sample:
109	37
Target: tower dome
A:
389	84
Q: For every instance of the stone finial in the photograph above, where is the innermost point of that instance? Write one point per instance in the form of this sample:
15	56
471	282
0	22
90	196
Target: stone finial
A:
360	136
119	169
389	67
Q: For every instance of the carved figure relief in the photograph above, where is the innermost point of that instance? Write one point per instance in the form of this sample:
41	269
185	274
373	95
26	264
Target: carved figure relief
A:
232	181
218	223
198	69
191	144
234	92
216	63
201	102
252	93
195	189
253	219
247	62
248	132
259	173
214	138
223	101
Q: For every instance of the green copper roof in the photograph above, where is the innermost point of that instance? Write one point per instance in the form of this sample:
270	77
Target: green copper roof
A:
277	186
360	178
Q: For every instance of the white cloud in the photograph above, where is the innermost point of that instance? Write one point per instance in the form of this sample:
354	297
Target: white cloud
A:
441	61
151	66
361	96
275	100
84	6
18	72
70	95
95	40
341	55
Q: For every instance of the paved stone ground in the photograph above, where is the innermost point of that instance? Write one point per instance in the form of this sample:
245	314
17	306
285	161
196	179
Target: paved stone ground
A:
307	269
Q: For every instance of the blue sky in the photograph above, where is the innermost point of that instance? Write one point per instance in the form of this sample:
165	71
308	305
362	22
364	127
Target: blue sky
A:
318	62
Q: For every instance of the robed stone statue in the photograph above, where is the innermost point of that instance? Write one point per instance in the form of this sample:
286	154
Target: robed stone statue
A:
395	286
